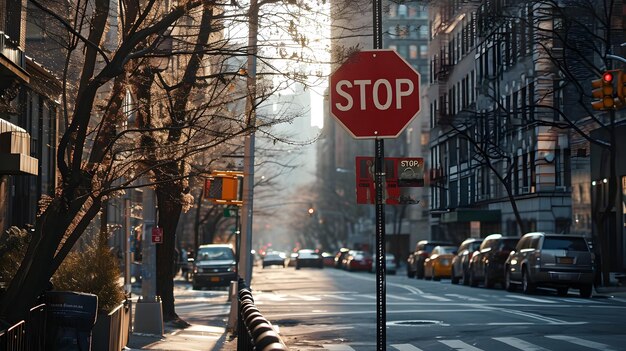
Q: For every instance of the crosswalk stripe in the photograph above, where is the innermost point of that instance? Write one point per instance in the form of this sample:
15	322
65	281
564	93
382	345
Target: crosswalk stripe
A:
520	344
405	347
338	347
582	342
459	345
530	299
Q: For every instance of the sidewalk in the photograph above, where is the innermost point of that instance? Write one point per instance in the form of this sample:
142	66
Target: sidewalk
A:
197	337
206	333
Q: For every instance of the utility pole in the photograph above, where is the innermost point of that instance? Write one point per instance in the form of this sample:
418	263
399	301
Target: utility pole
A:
245	267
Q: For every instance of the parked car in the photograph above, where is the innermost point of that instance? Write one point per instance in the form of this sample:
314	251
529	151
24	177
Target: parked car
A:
460	262
415	262
487	264
274	258
292	259
329	259
213	266
551	260
339	256
309	258
439	264
357	260
391	264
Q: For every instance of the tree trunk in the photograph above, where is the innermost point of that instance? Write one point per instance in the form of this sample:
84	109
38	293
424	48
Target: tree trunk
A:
170	207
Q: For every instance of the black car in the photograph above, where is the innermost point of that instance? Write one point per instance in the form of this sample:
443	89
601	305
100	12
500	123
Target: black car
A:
415	262
213	266
460	262
487	263
275	258
309	258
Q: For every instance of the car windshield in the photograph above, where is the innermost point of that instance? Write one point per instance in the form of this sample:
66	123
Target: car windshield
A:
446	249
275	255
307	254
570	244
474	246
215	253
507	244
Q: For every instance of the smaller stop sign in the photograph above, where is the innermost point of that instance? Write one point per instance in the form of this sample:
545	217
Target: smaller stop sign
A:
375	94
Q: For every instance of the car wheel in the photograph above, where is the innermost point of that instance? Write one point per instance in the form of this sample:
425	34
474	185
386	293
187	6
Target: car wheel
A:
419	273
195	287
410	273
473	282
465	277
453	278
585	291
297	267
562	291
489	284
527	286
508	285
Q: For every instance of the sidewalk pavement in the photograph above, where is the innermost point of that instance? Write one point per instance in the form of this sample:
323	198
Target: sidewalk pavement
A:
206	333
197	337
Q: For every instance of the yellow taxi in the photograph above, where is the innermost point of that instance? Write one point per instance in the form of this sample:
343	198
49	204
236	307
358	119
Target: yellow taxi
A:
439	264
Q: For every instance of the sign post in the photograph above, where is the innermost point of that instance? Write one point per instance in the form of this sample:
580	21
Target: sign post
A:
375	95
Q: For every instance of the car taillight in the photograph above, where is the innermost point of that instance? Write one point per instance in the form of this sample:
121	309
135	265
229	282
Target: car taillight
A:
425	254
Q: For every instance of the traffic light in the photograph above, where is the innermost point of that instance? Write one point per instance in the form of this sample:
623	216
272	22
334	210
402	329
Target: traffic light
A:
606	90
224	188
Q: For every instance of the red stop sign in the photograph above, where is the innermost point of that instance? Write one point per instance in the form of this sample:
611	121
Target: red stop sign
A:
375	94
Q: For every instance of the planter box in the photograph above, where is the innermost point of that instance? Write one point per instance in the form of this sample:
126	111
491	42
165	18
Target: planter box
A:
112	330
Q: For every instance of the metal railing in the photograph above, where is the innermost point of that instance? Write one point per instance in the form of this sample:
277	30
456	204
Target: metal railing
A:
254	332
26	335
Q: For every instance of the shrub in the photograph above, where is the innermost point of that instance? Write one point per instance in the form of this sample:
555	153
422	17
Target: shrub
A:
13	245
92	269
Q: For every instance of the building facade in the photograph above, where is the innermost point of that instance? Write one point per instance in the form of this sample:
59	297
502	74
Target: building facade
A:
511	120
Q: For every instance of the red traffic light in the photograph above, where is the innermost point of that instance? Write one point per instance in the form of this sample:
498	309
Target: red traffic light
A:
607	77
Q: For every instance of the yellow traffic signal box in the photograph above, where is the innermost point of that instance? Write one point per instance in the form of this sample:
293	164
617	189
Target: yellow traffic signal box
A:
224	188
607	90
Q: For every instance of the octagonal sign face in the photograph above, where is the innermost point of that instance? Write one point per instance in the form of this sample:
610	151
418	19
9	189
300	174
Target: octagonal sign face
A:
375	94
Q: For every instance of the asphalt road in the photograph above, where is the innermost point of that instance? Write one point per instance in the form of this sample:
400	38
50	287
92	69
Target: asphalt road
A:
330	309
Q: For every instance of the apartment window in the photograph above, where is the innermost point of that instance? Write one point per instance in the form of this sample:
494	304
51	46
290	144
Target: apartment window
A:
423	32
413	52
423	51
393	10
463	150
413	11
454	193
402	11
452	147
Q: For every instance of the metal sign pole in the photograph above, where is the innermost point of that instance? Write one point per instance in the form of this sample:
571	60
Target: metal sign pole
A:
380	206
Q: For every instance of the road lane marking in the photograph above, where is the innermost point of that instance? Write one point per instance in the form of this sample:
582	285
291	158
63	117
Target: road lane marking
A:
436	298
581	342
459	345
405	347
575	300
400	297
338	347
465	297
367	296
530	299
520	344
307	297
340	297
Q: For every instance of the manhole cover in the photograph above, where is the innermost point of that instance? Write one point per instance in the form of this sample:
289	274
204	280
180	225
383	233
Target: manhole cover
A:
415	322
